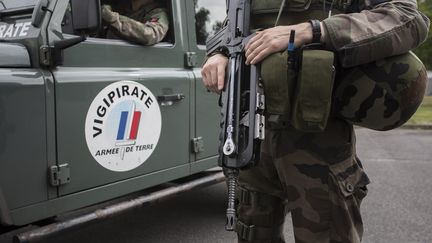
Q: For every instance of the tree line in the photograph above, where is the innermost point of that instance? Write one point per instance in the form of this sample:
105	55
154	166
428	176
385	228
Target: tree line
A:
424	52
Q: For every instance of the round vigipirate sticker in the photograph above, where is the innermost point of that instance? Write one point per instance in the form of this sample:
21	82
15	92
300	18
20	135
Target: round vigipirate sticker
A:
123	126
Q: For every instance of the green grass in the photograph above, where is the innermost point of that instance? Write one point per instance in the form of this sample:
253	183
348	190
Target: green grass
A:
423	116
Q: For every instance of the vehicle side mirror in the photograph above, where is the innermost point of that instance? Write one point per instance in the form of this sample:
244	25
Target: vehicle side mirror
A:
86	15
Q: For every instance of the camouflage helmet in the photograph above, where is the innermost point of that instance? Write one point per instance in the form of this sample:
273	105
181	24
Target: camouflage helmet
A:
381	95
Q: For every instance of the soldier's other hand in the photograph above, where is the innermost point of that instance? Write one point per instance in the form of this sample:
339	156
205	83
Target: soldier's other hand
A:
108	15
276	39
213	72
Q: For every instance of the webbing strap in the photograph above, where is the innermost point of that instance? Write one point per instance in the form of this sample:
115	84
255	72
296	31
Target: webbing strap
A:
253	232
252	198
280	12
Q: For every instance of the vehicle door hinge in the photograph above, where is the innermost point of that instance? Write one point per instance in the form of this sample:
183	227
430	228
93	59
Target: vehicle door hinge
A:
45	55
59	174
198	145
190	59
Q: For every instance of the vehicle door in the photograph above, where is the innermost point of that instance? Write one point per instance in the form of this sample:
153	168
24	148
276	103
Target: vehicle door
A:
122	109
206	17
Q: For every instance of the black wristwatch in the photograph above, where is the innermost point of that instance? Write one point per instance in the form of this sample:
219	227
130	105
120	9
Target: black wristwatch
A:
316	31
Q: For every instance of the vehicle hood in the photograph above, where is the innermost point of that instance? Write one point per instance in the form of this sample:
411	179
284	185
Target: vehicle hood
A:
14	55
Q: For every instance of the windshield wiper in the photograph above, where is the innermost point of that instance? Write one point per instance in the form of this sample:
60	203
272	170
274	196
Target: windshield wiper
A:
16	11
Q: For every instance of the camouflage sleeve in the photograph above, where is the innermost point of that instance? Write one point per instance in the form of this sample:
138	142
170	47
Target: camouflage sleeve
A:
387	29
146	32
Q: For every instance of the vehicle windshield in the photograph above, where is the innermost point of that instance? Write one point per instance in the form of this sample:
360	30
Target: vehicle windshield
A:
8	4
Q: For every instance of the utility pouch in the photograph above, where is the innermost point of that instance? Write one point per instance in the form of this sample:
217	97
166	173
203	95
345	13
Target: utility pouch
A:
277	86
313	94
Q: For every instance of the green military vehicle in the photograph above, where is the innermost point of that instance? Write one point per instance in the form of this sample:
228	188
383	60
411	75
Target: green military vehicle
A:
85	119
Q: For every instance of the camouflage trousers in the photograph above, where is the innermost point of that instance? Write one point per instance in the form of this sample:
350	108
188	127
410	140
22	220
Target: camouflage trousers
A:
314	176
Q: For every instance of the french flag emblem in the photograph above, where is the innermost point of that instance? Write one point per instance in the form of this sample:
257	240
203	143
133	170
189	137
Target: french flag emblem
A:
128	127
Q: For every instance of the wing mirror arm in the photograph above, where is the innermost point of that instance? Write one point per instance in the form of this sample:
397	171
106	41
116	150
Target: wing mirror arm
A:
60	45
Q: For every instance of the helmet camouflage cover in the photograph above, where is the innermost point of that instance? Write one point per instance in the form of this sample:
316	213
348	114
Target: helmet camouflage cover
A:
381	95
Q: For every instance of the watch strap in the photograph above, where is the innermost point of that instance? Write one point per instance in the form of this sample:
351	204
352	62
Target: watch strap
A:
316	31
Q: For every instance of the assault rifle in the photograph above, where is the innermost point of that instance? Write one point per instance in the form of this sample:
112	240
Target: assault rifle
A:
242	101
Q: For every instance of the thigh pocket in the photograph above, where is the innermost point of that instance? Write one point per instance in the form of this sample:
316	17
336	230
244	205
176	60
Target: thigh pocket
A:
350	178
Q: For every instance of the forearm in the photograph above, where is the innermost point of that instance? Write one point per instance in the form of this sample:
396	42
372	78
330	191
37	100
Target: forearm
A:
388	29
144	33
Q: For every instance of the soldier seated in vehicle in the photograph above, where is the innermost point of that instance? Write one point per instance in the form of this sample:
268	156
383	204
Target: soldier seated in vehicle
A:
140	21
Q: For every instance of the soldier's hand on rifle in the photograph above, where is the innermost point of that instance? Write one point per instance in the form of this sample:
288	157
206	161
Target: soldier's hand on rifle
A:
276	39
213	72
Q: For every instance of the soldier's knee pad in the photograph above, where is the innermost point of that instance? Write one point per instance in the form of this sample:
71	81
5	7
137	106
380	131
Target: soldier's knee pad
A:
381	95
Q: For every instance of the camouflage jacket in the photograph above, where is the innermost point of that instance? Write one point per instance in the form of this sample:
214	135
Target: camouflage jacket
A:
366	32
376	32
146	26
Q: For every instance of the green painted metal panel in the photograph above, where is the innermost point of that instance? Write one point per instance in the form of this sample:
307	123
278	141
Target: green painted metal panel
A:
75	90
204	164
207	118
51	146
14	55
96	52
23	137
95	195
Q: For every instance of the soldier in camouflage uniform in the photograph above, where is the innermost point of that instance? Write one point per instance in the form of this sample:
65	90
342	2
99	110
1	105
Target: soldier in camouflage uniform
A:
317	176
143	21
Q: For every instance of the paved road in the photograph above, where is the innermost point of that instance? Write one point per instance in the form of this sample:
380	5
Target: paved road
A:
399	205
398	208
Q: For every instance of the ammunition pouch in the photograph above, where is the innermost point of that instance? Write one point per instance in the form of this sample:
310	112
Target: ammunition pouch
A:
380	95
303	97
313	95
278	88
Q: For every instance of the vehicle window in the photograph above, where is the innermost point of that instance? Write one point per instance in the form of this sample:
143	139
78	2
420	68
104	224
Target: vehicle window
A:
209	17
122	8
67	25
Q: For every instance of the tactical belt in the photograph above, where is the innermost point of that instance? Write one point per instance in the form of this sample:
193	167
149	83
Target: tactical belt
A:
253	232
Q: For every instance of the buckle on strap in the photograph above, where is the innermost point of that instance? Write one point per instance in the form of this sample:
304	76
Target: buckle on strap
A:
252	232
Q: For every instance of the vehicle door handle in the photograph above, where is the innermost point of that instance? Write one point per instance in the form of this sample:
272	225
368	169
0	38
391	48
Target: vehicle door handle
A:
168	100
